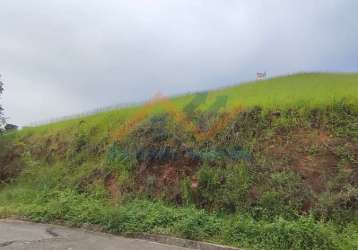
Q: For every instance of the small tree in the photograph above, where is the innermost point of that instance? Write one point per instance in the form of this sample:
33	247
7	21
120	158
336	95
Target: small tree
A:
2	119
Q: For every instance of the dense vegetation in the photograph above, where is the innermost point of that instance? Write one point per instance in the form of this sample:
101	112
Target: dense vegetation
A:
265	165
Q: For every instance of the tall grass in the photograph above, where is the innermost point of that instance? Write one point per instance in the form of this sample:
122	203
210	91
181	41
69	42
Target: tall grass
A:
143	216
306	89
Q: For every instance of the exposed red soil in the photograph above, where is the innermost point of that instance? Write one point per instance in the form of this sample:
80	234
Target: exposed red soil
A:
10	163
164	179
95	176
309	152
111	185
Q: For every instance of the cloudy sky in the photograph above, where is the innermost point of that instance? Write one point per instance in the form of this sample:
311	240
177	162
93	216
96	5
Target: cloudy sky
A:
60	57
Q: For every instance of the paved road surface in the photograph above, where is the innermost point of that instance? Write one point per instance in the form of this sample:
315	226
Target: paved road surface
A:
17	235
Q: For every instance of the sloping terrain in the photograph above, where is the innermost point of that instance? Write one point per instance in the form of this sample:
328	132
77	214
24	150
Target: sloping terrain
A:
266	165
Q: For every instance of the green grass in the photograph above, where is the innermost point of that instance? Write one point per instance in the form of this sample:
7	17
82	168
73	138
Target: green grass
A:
143	216
254	201
309	89
306	89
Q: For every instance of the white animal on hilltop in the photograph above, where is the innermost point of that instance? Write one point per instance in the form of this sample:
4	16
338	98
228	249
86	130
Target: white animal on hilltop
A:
261	76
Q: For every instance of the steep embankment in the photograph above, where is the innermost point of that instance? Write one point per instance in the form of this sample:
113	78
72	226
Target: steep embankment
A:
268	165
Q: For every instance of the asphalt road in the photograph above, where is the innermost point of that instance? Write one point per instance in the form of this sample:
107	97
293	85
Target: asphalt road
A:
16	235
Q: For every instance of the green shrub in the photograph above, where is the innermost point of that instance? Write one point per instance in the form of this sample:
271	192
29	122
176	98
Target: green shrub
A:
118	159
224	188
285	196
197	225
304	233
139	216
341	206
348	238
343	118
157	140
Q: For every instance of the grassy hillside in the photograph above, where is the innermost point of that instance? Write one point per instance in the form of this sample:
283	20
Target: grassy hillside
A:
262	165
300	90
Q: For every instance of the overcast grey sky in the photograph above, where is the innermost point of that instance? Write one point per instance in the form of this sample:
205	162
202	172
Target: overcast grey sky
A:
60	57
